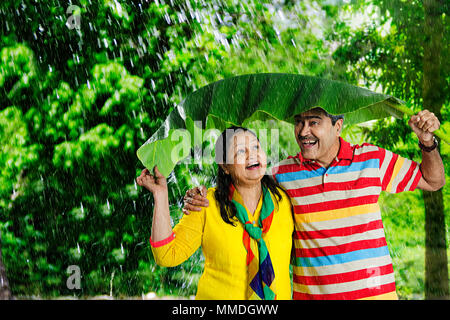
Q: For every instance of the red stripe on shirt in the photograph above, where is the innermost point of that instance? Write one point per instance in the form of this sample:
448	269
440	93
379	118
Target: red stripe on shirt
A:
416	180
335	186
344	277
401	186
285	168
343	248
389	170
336	204
339	232
350	295
294	167
368	155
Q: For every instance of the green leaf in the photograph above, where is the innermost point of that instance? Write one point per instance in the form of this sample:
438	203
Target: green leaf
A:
244	99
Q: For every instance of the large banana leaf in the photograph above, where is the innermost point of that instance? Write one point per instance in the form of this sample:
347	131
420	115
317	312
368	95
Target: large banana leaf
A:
244	99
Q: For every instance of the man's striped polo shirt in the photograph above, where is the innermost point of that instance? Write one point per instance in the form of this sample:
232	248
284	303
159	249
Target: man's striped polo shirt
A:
340	246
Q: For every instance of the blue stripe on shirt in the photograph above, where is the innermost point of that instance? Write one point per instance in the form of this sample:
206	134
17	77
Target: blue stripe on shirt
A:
306	174
342	258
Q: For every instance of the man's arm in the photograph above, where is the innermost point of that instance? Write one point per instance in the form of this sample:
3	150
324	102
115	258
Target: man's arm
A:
432	167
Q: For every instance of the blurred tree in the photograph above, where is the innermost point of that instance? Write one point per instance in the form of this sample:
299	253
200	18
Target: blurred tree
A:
402	52
73	115
81	87
436	267
5	292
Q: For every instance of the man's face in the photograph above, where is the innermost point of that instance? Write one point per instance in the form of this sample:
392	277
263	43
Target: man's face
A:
317	137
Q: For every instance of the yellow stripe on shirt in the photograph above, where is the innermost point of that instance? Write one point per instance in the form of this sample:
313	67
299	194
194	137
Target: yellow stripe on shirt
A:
336	213
397	167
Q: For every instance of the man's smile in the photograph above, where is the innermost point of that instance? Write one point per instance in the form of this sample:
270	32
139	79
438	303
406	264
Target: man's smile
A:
308	142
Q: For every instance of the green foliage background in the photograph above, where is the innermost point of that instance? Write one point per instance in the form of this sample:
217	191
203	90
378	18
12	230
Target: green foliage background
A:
76	104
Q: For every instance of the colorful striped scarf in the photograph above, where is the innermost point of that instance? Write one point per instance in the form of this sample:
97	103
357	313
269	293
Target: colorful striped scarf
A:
260	270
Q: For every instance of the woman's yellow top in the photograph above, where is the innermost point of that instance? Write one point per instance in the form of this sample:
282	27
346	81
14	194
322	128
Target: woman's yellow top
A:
225	272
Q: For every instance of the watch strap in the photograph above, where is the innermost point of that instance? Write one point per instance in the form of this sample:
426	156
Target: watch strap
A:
430	148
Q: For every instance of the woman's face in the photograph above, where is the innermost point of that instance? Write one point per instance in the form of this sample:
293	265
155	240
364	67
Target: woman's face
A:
246	161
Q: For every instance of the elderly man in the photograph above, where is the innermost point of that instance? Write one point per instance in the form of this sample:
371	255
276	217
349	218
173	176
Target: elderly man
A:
340	246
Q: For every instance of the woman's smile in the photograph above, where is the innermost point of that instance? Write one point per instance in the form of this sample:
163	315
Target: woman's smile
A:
253	166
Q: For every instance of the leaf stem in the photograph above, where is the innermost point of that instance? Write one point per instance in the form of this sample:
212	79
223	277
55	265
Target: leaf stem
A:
404	109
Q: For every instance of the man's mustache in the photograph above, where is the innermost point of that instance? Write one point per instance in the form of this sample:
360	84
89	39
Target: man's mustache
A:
310	137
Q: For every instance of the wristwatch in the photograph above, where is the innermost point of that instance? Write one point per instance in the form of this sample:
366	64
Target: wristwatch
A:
430	148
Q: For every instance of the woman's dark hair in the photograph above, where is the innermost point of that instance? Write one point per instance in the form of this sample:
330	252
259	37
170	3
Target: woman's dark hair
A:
223	180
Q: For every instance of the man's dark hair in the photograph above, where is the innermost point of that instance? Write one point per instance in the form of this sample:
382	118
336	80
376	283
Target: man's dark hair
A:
334	118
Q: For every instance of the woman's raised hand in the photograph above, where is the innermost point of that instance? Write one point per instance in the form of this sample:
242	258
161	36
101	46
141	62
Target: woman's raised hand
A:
156	183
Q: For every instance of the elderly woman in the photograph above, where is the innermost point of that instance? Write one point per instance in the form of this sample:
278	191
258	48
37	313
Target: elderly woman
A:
245	233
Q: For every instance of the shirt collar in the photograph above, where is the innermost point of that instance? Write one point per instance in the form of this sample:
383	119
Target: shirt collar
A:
345	153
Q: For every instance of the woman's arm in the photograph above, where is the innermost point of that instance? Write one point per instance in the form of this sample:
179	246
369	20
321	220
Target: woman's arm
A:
161	228
170	247
157	184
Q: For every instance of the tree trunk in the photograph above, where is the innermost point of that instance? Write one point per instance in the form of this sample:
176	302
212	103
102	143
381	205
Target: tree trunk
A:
436	268
5	292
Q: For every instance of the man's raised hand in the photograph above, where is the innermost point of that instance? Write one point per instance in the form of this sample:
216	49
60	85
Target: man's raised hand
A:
424	124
